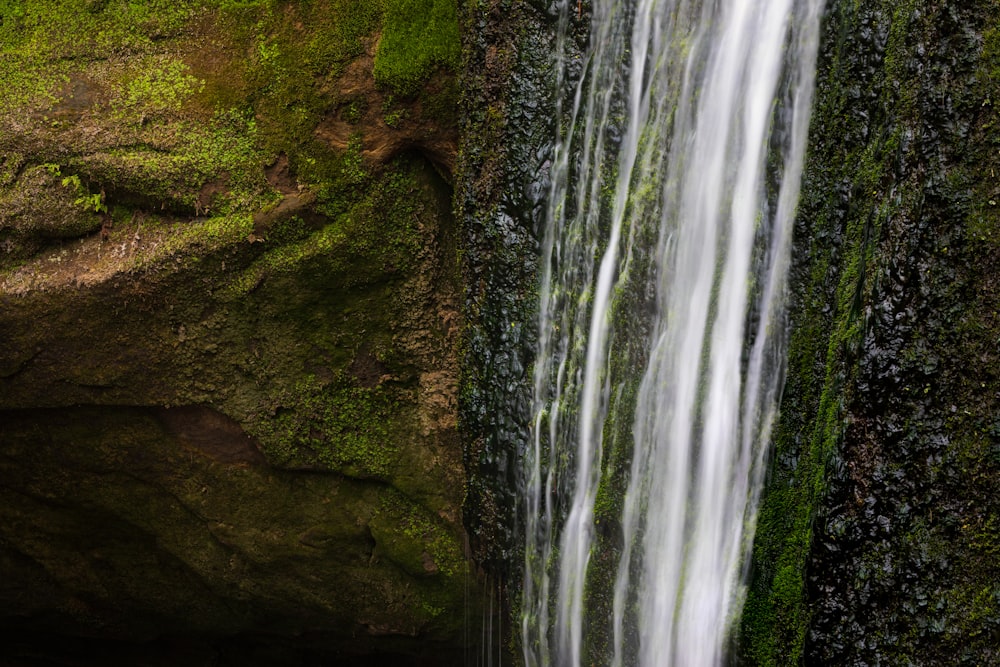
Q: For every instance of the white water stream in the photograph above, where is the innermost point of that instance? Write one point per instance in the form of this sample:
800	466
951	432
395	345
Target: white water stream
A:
674	185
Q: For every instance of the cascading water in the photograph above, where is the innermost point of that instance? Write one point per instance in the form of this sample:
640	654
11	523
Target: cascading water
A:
674	183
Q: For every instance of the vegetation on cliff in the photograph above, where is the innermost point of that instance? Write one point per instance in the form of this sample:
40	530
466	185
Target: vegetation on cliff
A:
232	211
877	537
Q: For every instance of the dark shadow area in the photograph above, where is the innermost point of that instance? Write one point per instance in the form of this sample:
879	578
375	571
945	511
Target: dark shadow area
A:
27	649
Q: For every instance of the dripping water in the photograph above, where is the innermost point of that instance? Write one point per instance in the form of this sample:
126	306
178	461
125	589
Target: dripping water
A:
675	178
494	633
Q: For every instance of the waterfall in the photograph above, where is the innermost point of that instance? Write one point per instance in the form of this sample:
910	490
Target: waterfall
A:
674	183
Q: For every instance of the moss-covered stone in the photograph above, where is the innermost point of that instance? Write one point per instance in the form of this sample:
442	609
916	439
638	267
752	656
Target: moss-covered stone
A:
177	525
864	550
42	204
192	218
418	35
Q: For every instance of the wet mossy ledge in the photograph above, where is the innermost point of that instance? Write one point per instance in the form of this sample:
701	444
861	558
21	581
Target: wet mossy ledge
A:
877	538
229	293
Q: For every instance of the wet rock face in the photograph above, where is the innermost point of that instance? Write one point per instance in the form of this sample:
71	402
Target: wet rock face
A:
878	537
229	377
904	561
506	136
506	132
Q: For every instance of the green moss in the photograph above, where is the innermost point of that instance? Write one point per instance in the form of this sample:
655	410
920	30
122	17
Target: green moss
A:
888	189
185	119
776	619
427	549
417	37
352	171
378	236
416	540
210	234
348	428
223	151
983	223
167	140
44	40
160	84
822	352
898	55
288	60
47	203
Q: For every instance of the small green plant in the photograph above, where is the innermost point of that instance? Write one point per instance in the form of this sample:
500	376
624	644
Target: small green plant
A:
352	168
90	201
162	86
392	117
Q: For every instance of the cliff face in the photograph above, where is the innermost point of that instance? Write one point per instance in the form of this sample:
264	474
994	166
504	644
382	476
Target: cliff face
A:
878	537
507	129
229	298
230	301
877	540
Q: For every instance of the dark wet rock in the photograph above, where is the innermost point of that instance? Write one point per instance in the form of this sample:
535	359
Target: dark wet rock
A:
877	541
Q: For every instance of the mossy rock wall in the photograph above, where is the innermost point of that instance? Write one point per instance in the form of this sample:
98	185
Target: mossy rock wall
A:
506	135
877	535
877	538
230	305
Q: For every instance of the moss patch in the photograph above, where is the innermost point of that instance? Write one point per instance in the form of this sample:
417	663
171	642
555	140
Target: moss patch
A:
419	542
417	37
347	427
181	106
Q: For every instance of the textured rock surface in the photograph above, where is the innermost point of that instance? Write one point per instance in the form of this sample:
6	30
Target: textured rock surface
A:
229	301
878	536
507	128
